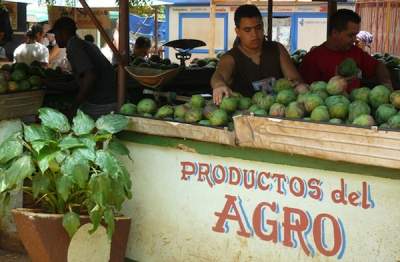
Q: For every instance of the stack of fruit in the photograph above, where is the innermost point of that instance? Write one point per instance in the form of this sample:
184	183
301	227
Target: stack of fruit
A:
319	102
390	61
20	77
297	56
155	62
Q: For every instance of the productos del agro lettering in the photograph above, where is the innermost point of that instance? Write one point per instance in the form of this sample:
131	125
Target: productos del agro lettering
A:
297	228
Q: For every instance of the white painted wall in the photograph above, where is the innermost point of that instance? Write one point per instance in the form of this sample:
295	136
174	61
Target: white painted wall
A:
173	218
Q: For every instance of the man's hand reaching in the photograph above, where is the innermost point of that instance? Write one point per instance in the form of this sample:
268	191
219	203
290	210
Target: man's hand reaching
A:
221	92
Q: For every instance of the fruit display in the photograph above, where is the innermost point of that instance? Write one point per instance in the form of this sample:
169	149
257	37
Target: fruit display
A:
155	62
297	56
209	62
20	77
390	61
319	102
348	68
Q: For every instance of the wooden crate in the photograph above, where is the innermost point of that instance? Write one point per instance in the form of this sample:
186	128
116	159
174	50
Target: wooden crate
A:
19	104
325	141
181	130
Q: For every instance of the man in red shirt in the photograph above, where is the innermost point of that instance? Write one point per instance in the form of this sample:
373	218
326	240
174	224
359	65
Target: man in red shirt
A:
321	63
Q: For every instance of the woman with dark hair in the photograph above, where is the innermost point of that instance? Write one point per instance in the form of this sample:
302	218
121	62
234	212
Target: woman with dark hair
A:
32	50
6	50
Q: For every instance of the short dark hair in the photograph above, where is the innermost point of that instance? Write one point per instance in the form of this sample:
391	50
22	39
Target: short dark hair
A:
340	18
31	33
246	11
142	42
64	23
89	38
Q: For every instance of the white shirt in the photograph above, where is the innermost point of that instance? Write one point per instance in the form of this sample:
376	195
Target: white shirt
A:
27	53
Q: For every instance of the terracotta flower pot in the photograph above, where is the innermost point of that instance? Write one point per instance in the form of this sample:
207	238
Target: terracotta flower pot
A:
46	240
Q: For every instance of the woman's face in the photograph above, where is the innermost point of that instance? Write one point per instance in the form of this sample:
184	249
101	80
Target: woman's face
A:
39	37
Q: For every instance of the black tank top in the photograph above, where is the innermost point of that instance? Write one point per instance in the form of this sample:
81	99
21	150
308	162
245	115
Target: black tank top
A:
246	71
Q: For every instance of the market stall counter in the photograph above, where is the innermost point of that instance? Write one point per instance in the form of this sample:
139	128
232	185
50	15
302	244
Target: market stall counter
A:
199	199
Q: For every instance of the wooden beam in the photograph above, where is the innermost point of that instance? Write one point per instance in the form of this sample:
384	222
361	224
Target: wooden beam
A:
211	37
270	13
100	27
332	8
123	49
156	30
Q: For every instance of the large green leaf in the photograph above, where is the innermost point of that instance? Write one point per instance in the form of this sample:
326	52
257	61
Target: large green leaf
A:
109	219
125	179
117	147
40	184
60	156
4	202
3	182
70	162
10	149
54	119
118	193
95	216
38	132
82	124
46	155
17	172
80	174
112	123
70	142
38	145
100	188
64	185
71	223
89	141
108	163
84	153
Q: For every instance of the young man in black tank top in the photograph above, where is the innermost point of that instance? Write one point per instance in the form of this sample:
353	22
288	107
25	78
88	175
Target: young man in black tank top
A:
254	61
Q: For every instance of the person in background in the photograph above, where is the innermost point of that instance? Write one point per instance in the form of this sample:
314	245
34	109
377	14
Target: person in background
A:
7	41
106	50
32	50
89	38
320	64
94	74
3	55
141	47
253	63
364	39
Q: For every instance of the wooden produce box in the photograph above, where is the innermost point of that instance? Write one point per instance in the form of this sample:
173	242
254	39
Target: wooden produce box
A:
326	141
19	104
181	130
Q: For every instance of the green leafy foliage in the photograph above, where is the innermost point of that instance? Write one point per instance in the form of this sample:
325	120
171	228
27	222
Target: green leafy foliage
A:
83	124
112	123
10	149
71	223
53	119
72	170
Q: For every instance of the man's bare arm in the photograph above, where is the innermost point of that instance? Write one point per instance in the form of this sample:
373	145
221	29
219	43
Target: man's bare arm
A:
288	69
222	78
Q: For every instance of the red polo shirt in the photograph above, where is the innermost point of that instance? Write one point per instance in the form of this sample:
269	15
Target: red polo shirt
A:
320	64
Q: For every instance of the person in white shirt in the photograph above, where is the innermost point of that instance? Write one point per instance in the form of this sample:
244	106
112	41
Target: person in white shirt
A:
32	50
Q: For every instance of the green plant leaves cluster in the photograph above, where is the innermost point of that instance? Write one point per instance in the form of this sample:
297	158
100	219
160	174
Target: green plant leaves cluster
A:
74	169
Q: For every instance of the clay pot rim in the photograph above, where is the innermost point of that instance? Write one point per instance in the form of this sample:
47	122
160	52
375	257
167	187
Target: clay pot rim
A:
38	213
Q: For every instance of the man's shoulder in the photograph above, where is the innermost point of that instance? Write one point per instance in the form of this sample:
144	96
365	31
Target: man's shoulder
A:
355	50
75	43
317	50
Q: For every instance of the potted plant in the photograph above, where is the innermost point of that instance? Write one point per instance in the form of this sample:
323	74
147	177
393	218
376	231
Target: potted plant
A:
73	176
